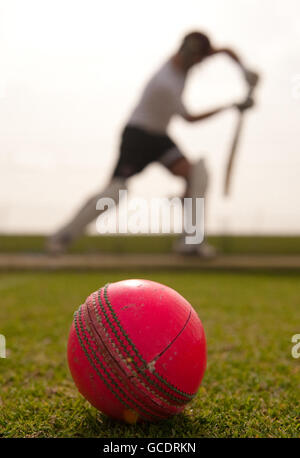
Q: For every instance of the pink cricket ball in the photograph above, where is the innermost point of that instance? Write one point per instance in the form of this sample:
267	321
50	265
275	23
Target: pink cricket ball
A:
137	351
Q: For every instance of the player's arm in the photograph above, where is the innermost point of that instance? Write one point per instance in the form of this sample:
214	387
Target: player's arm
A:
241	106
250	76
202	116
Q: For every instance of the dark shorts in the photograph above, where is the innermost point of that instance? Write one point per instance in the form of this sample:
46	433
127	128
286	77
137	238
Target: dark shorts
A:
139	148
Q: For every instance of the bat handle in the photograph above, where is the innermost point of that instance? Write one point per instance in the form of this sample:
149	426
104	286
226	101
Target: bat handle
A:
250	90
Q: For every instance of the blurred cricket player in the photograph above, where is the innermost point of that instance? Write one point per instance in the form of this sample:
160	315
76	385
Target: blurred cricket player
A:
145	139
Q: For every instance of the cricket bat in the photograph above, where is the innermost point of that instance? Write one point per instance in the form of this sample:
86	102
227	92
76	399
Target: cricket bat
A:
234	145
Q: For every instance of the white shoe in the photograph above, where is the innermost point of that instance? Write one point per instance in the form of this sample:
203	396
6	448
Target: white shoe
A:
203	250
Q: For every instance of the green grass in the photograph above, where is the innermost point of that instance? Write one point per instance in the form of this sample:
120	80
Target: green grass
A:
155	244
251	387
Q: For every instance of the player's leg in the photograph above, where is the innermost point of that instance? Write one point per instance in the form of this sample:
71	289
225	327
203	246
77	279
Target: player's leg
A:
196	177
60	241
135	154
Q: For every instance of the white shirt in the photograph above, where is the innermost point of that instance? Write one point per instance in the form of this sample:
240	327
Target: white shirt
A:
160	100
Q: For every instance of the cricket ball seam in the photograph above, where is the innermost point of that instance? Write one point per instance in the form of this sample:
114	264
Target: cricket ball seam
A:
155	410
140	370
134	377
109	386
128	382
189	396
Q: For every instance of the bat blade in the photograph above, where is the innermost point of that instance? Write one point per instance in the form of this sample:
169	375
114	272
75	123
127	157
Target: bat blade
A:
232	154
235	142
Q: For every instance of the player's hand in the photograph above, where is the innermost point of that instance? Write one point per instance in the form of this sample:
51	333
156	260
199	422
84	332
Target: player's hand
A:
251	77
245	105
